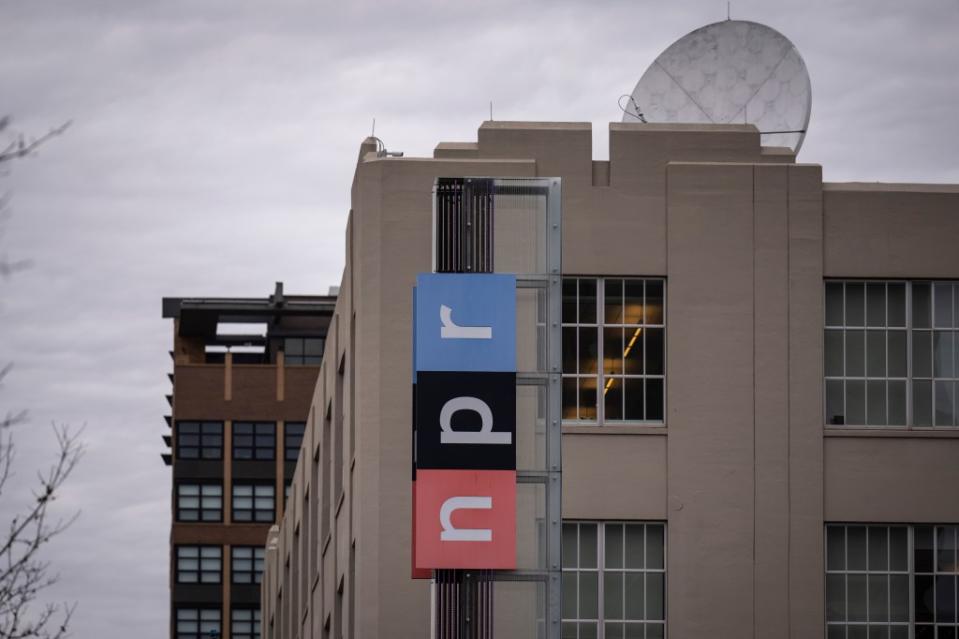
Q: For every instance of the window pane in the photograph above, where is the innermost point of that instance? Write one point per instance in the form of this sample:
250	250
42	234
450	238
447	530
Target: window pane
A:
569	301
856	597
856	548
634	399
897	403
613	301
855	304
570	585
613	350
924	549
876	353
897	304
899	598
587	398
633	351
654	302
897	353
588	595
835	413
633	306
634	595
569	545
587	546
834	353
834	306
654	400
855	353
588	353
925	602
943	304
946	549
878	548
634	542
943	354
921	305
614	546
655	351
922	403
855	402
835	597
569	398
654	547
876	304
835	548
613	398
654	595
946	599
569	349
944	402
898	548
587	301
876	403
613	595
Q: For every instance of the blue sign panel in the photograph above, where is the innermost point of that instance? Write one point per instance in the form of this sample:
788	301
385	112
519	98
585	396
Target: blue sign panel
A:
465	322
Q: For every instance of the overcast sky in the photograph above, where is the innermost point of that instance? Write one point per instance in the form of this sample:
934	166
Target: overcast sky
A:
211	154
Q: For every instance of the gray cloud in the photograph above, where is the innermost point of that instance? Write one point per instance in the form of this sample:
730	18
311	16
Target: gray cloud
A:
212	153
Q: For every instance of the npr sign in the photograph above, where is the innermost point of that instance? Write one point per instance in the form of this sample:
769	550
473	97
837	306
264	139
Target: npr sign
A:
464	356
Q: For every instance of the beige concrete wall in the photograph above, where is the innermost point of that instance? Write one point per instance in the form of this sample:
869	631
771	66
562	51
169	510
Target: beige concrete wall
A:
741	473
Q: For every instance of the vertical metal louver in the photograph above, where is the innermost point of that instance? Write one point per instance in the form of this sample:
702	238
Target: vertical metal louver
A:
463	225
464	604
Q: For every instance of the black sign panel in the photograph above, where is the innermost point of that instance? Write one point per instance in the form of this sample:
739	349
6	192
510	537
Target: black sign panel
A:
466	420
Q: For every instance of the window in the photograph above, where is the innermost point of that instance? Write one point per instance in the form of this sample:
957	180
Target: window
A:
199	502
293	437
619	323
303	351
885	581
891	353
199	440
197	623
198	564
245	623
614	580
254	440
254	502
247	564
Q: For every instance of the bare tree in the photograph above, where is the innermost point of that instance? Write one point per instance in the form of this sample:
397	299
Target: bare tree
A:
27	523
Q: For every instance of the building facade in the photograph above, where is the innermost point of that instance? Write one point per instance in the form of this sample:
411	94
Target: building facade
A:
243	377
759	392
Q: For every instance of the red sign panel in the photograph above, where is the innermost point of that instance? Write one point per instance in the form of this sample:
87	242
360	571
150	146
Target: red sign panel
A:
465	519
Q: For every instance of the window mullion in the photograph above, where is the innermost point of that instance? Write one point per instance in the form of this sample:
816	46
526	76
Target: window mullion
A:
909	407
600	579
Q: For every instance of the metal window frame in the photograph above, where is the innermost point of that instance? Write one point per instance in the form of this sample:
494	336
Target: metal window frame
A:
601	569
200	447
199	509
199	570
253	447
601	374
910	331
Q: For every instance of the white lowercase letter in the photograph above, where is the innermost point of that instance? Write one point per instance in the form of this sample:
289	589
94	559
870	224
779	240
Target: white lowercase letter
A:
450	533
484	435
450	330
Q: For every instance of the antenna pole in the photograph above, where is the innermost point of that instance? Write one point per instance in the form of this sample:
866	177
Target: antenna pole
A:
491	110
728	10
373	131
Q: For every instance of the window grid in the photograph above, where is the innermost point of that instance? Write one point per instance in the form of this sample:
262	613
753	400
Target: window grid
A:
254	502
918	384
199	440
292	439
600	570
199	564
868	582
199	502
254	441
620	323
245	623
247	564
303	351
197	623
935	582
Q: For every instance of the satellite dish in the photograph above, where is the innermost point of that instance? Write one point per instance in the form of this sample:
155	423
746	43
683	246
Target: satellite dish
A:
726	73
